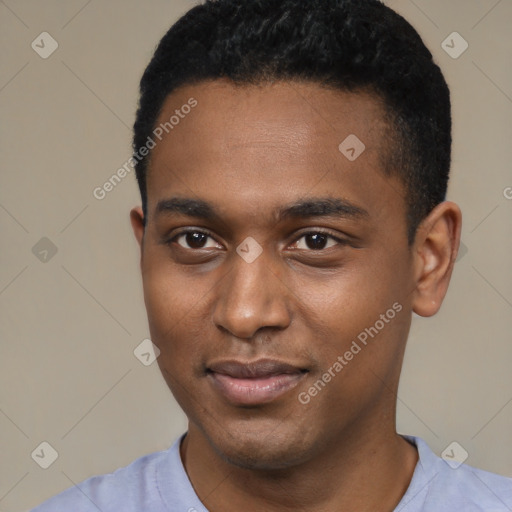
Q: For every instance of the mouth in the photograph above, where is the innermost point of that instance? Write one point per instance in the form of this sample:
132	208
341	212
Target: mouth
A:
253	383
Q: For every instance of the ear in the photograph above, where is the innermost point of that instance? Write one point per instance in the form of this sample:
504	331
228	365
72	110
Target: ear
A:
435	250
137	220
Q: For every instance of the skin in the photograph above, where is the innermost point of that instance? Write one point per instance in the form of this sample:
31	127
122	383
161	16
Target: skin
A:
249	151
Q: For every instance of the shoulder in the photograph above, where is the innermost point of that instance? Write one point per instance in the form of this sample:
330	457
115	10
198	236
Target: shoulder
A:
445	485
130	488
473	489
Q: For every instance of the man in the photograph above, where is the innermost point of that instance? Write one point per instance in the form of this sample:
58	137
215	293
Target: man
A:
293	159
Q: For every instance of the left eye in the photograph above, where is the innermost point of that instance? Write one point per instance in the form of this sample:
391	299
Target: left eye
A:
316	241
195	240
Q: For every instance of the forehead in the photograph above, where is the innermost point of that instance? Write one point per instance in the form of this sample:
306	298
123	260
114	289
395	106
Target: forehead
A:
270	144
292	115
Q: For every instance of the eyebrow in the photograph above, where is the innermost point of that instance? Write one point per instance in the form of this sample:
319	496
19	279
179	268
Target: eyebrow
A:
312	207
321	207
189	207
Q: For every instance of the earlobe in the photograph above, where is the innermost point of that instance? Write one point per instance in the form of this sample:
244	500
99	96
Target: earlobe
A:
435	249
137	221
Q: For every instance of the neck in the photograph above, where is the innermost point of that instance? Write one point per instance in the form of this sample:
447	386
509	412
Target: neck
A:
364	472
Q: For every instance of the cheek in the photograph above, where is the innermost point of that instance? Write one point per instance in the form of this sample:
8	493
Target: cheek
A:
167	293
360	312
348	300
170	302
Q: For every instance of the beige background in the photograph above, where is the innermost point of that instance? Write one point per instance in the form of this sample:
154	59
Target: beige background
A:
70	325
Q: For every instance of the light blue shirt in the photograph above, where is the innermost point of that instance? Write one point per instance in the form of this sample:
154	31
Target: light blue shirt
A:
158	483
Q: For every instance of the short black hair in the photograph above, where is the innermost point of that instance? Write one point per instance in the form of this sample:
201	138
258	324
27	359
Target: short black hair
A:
351	45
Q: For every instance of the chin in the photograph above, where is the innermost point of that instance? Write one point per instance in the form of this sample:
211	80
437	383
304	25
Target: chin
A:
266	449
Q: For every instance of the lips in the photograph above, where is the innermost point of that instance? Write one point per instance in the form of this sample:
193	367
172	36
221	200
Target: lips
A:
253	383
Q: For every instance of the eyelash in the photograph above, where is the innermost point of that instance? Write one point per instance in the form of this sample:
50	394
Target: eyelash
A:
338	240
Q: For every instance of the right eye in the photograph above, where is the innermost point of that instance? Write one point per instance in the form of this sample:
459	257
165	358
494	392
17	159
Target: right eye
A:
194	239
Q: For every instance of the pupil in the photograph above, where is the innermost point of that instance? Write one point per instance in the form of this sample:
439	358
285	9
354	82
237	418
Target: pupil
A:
316	241
196	240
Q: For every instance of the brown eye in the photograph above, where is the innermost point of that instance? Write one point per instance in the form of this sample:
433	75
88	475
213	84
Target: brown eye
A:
195	240
315	241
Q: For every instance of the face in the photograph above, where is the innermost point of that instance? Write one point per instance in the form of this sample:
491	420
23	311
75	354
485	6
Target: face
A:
276	269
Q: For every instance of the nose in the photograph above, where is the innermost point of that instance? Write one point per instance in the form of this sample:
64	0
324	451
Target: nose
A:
251	297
